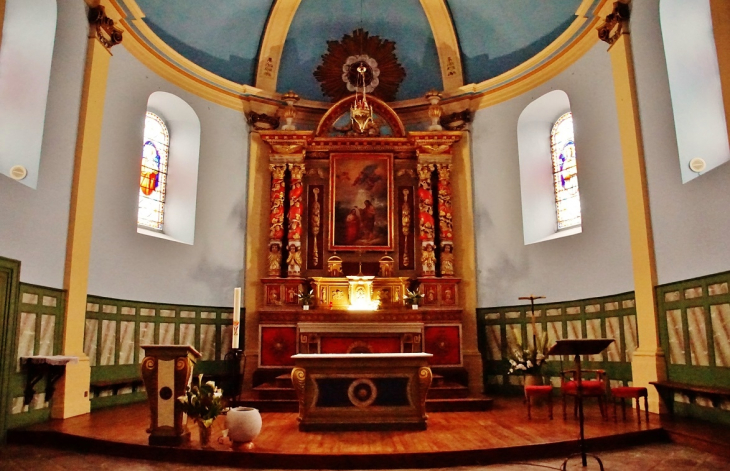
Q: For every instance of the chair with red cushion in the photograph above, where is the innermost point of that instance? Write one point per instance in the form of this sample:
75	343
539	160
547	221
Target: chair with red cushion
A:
539	391
627	392
594	384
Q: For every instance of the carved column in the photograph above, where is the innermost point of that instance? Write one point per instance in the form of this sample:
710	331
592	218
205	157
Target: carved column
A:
446	216
294	261
425	218
276	218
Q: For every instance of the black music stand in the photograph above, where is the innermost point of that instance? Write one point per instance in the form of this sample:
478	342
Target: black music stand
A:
580	347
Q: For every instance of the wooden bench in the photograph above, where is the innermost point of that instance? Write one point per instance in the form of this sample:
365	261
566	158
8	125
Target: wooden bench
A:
667	388
115	385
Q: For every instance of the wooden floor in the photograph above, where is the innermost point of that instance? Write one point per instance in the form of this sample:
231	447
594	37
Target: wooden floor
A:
453	438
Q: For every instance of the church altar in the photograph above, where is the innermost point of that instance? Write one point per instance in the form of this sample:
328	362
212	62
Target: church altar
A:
360	219
362	392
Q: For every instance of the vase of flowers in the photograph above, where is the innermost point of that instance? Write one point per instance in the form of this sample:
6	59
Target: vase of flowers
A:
306	299
413	298
202	403
528	361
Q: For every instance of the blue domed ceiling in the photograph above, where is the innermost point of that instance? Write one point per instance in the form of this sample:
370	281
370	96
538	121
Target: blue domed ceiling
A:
225	36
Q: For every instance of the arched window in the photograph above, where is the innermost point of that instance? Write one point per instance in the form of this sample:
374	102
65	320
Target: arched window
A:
565	172
153	174
547	169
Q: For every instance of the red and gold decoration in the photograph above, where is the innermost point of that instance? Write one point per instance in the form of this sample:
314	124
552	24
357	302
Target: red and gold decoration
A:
276	218
278	344
446	216
426	220
294	260
443	342
372	211
380	73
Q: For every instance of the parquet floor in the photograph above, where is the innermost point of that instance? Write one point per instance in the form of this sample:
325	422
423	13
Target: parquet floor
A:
452	438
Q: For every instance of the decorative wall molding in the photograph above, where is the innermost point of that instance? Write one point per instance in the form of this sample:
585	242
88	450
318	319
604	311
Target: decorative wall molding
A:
105	29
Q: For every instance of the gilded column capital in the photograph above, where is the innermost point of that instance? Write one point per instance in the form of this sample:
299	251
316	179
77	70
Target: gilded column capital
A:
103	28
297	170
277	170
613	26
424	171
444	171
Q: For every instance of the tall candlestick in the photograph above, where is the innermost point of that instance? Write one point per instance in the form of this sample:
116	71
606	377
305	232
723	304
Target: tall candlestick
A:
236	316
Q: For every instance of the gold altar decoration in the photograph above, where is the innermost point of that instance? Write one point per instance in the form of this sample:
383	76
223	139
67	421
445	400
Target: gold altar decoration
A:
315	224
406	225
359	293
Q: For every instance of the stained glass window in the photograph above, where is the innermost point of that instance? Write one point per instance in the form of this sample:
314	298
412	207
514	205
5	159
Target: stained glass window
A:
153	175
565	172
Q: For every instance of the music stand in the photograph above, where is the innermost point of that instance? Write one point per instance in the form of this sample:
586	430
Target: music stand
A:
580	347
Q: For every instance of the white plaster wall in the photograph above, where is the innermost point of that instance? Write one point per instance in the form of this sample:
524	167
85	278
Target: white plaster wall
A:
128	265
595	262
691	221
34	222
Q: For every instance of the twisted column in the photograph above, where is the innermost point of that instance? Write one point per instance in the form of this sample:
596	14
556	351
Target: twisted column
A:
276	218
445	215
425	218
294	236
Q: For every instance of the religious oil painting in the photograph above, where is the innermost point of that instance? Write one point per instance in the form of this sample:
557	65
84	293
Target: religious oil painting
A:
360	203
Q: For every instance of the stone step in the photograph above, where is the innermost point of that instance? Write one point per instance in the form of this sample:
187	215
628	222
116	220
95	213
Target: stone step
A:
269	391
448	391
283	381
468	404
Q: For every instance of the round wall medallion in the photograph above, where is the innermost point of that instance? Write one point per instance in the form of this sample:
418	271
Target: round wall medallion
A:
697	165
165	393
362	392
18	172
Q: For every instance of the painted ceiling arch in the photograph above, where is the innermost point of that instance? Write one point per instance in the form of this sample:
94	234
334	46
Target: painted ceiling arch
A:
267	47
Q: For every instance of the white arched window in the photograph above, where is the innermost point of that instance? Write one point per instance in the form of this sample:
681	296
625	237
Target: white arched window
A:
153	174
565	172
548	178
168	195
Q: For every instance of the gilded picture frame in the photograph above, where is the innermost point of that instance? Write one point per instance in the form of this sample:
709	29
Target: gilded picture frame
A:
361	189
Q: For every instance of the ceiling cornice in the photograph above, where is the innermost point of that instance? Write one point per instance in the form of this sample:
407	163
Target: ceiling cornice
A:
149	49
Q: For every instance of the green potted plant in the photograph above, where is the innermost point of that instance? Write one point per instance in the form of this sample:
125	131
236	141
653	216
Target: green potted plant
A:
306	299
202	403
413	298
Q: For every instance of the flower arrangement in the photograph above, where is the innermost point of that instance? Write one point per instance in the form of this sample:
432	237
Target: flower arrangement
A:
306	298
413	297
202	403
529	360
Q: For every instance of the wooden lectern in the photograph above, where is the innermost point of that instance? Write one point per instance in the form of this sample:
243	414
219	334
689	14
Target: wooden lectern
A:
167	371
580	347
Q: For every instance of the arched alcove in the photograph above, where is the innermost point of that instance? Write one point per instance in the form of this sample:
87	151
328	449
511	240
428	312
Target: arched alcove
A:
536	174
184	154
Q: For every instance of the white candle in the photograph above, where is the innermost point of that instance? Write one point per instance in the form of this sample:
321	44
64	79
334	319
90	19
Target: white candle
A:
236	316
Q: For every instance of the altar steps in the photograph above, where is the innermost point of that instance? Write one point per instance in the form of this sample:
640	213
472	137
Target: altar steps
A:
445	395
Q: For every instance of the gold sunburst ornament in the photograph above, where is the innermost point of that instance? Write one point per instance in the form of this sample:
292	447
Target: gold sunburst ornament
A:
339	73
